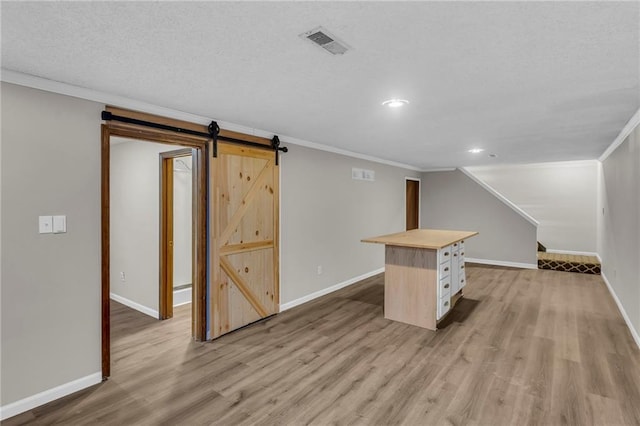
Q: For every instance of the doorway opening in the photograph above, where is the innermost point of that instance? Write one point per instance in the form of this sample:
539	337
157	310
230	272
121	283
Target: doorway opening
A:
131	250
412	203
175	230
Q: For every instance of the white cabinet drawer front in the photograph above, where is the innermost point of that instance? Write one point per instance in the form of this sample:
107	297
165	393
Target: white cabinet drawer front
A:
462	279
444	305
444	254
455	246
445	270
461	245
444	287
461	267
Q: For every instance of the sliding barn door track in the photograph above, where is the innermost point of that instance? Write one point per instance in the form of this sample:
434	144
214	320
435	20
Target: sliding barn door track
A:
213	133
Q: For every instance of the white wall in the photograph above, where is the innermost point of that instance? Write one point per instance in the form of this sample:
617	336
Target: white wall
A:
561	196
50	311
619	233
182	217
325	214
135	225
452	200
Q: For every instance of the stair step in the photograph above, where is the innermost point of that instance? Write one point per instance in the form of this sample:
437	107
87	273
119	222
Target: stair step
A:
569	263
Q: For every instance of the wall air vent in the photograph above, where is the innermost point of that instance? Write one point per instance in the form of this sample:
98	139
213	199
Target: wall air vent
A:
321	37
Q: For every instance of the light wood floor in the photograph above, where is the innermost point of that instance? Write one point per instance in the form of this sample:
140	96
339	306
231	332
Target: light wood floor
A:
523	347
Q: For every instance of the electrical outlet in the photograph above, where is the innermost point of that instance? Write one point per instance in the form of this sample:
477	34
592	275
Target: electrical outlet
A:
122	278
319	269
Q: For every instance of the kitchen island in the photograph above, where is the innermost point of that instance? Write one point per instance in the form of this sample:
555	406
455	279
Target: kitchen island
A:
424	274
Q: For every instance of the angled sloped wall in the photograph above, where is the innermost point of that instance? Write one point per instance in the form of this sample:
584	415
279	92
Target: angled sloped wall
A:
452	200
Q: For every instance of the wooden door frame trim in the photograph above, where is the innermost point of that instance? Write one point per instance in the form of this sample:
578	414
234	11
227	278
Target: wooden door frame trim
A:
166	230
404	197
200	157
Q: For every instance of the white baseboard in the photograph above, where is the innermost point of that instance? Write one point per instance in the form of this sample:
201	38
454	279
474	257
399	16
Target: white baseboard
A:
575	253
319	293
135	305
33	401
632	329
501	263
181	297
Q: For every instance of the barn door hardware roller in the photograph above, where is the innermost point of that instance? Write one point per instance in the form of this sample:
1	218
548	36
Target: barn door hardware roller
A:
214	129
109	116
214	132
275	145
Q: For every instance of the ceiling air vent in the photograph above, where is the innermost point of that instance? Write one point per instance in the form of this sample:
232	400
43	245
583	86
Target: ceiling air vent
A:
324	39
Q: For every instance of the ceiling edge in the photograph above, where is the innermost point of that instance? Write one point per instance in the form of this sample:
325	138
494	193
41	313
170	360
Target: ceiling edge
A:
34	82
633	122
562	163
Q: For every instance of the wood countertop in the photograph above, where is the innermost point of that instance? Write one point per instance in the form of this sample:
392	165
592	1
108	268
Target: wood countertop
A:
422	238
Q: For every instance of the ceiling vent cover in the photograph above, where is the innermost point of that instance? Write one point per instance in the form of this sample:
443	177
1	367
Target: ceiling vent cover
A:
321	37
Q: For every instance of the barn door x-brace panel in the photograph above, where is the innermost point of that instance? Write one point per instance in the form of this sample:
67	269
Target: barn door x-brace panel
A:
244	225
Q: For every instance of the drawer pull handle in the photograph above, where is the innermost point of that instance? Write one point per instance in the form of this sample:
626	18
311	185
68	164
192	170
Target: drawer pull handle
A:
455	254
461	253
447	285
446	303
462	280
446	253
462	267
446	269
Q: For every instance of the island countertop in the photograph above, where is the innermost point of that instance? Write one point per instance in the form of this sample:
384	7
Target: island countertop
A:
422	238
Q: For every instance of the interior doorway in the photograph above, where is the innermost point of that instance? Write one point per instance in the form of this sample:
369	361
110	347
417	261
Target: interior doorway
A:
176	248
198	148
412	203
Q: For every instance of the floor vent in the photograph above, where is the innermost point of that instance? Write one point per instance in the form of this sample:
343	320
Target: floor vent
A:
321	37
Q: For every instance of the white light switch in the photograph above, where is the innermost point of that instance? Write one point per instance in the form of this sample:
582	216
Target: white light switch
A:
45	224
59	224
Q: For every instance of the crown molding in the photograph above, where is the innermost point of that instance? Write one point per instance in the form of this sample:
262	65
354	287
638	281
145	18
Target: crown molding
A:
47	85
442	169
633	122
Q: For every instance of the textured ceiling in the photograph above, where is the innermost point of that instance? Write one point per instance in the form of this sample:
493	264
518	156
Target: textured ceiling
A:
528	81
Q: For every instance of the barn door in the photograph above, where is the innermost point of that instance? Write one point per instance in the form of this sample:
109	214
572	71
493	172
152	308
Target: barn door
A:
244	219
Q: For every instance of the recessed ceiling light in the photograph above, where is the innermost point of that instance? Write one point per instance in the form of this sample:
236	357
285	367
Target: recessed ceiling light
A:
493	155
395	103
476	150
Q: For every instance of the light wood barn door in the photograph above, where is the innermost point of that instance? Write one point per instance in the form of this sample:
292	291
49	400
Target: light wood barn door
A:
244	213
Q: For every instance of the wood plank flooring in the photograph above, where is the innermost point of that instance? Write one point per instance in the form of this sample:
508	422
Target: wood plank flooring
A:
524	347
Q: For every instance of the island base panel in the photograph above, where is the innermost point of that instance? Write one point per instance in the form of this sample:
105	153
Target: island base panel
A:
410	285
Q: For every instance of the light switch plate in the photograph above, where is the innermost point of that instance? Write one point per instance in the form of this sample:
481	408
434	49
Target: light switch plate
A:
45	224
59	224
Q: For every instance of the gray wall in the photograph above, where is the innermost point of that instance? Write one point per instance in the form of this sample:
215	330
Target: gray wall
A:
325	214
561	196
51	314
451	200
50	283
619	242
